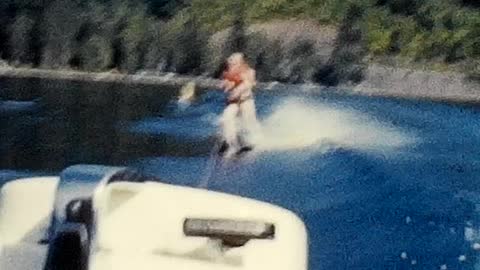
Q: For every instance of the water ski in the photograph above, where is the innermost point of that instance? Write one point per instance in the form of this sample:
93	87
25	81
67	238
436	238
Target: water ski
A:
244	148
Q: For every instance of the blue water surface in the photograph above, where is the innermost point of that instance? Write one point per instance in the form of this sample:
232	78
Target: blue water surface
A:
410	209
412	206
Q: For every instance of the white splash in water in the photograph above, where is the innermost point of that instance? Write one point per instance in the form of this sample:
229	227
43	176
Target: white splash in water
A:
408	220
182	105
469	234
296	124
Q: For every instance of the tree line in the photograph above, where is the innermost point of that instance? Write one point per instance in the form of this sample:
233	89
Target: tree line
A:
173	35
94	35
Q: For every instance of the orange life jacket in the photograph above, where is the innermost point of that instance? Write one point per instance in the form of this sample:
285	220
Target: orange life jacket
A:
233	77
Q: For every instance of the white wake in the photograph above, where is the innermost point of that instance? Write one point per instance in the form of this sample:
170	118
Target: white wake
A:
297	124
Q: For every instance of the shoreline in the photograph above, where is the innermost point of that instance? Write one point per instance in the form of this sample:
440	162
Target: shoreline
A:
168	79
446	87
380	81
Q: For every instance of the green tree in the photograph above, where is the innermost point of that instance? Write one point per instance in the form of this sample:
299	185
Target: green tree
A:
96	53
93	41
191	47
133	40
155	50
60	27
346	62
20	39
237	41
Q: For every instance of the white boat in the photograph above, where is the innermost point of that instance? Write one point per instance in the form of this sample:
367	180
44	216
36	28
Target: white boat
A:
105	218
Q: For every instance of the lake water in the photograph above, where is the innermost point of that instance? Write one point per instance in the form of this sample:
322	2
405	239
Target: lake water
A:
380	183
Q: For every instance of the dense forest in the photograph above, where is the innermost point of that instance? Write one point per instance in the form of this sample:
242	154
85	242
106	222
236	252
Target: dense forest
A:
173	35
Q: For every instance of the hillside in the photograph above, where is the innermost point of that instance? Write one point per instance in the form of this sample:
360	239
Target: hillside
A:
326	41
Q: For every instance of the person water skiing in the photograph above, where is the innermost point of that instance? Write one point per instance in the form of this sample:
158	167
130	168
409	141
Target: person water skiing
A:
238	82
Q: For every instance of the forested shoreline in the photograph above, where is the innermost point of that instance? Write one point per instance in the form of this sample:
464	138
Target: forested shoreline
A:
175	36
